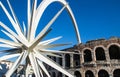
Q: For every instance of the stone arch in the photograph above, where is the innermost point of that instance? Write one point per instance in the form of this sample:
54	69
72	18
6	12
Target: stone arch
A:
100	53
116	73
77	74
89	73
108	46
103	73
114	51
67	60
87	55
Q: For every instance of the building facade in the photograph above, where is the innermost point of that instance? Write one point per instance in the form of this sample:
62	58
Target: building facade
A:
96	58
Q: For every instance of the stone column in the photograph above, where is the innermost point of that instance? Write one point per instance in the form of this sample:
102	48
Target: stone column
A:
83	74
71	61
94	58
82	57
96	73
107	55
63	60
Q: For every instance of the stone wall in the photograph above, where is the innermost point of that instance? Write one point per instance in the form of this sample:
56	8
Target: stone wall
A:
95	58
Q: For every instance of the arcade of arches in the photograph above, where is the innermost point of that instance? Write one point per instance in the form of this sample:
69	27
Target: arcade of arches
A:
97	58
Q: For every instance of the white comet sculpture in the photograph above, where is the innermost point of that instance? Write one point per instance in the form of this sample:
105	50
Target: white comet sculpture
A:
31	48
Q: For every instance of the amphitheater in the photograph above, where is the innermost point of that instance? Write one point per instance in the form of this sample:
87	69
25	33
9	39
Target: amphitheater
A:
95	58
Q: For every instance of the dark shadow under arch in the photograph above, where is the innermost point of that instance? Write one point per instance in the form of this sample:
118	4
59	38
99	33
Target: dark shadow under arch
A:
116	73
103	73
89	74
114	52
76	60
87	56
77	74
67	60
53	74
100	54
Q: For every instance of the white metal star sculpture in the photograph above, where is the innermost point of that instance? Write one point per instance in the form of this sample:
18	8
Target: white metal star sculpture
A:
32	49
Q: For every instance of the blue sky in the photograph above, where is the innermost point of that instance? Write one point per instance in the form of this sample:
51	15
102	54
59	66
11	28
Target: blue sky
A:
96	19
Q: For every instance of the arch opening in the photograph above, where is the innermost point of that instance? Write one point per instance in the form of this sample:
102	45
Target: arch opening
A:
114	52
116	73
76	58
89	74
60	61
103	73
53	74
77	74
100	54
59	74
87	56
67	61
